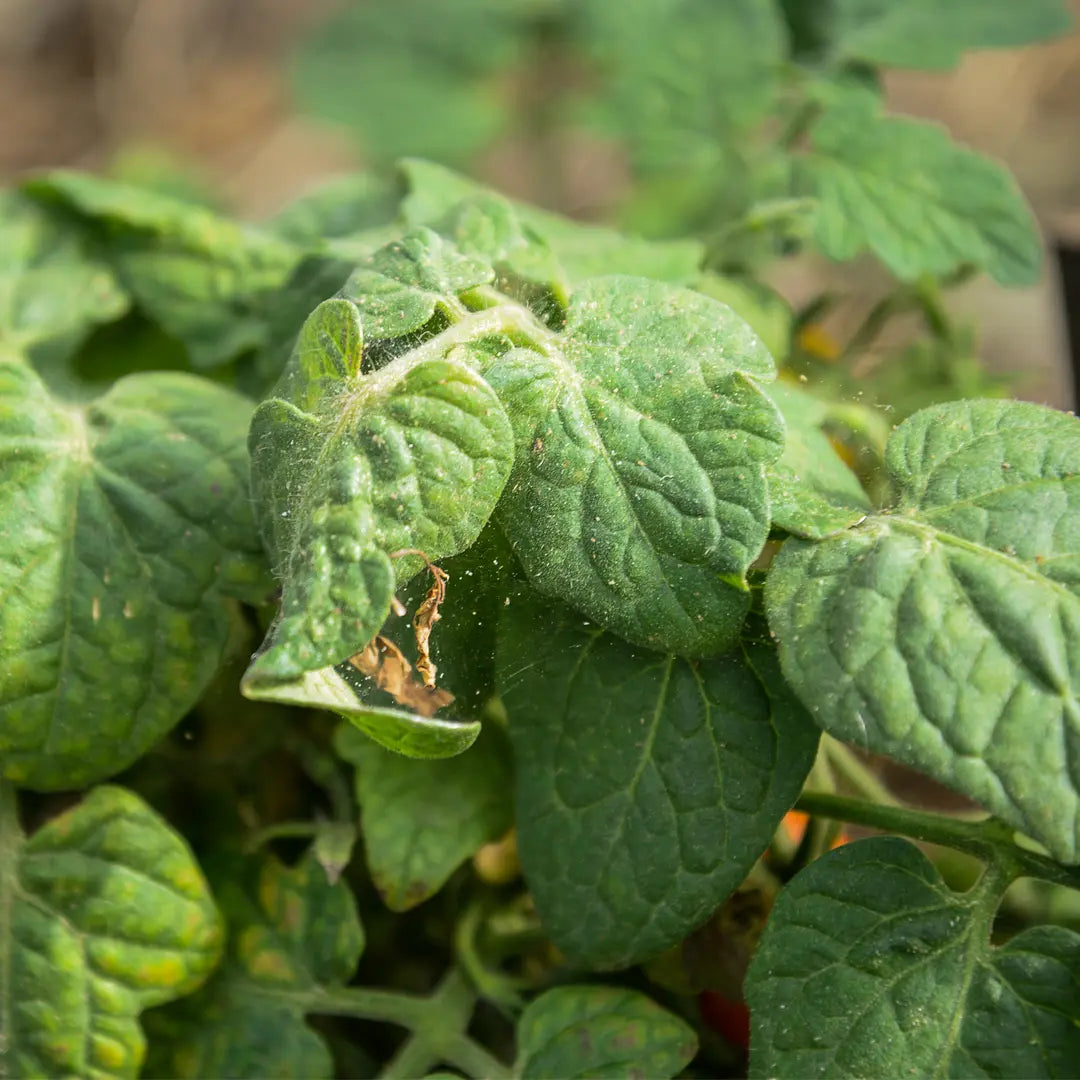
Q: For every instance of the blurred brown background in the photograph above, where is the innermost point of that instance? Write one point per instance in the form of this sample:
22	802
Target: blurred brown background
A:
206	82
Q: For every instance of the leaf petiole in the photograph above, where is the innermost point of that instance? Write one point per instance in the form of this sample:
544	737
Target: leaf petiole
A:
988	839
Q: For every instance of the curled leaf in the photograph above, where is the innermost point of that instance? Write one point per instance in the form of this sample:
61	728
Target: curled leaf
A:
384	662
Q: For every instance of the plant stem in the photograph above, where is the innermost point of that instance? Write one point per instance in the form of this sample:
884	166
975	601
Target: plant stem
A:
897	303
988	839
281	830
389	1006
470	1057
437	1023
861	779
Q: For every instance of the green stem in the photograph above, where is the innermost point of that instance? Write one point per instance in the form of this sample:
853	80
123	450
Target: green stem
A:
988	839
879	316
437	1023
388	1006
282	830
850	769
414	1058
470	1057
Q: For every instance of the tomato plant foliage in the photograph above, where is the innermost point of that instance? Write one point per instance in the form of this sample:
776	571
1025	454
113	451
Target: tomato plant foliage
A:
465	594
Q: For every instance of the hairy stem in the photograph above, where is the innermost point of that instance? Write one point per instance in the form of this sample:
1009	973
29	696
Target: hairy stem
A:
988	839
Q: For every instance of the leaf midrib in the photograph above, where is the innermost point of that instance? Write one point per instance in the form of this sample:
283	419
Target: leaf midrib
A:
929	531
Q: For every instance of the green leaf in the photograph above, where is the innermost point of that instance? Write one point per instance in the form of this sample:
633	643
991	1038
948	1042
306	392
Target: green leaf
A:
586	1031
924	205
946	633
716	77
647	785
204	278
338	208
422	819
123	524
399	289
52	285
491	228
929	35
638	493
584	251
292	934
764	310
813	493
871	966
314	279
430	67
341	690
104	913
349	470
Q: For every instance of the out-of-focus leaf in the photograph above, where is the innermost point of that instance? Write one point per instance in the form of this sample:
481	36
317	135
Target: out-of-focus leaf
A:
929	35
53	286
586	1031
924	205
123	525
202	277
339	208
584	251
104	913
430	66
422	819
813	493
291	934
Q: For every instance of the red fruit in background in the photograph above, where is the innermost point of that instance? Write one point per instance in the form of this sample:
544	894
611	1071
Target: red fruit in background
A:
728	1018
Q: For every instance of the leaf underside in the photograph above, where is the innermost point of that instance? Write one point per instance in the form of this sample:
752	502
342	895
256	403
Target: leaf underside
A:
125	524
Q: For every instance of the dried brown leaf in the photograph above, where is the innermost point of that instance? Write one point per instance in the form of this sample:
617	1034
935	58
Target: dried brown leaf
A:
384	662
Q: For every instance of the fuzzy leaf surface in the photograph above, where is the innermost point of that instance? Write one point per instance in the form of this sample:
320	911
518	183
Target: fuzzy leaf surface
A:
422	819
638	493
203	278
813	493
871	966
123	525
350	469
647	785
585	1031
946	634
920	202
291	934
104	913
